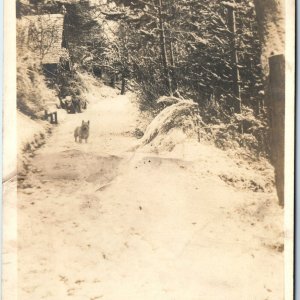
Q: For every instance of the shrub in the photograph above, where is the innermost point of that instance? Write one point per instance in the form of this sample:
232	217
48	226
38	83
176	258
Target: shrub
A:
32	91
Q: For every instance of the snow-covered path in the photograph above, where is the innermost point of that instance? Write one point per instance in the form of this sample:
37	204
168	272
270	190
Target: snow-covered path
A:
103	221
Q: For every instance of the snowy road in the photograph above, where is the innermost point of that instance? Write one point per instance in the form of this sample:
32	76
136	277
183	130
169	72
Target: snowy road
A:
102	221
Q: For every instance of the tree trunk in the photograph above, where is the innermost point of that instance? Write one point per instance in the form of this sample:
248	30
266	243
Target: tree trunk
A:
271	28
235	70
174	79
164	49
113	80
270	19
123	85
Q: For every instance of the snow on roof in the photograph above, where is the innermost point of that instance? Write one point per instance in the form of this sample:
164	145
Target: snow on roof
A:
43	35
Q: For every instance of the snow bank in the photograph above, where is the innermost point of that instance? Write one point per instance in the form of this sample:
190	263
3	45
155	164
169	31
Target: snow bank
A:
31	135
168	100
94	89
173	134
172	125
28	131
33	94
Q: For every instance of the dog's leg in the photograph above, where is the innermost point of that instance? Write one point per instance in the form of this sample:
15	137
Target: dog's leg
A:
80	140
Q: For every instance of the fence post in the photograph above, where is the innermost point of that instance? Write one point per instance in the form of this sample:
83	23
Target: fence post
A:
277	111
55	117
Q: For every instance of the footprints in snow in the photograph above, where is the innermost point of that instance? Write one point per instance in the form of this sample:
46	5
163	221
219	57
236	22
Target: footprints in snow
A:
74	286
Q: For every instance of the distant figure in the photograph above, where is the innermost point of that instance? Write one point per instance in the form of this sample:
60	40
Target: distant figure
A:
76	104
63	10
82	132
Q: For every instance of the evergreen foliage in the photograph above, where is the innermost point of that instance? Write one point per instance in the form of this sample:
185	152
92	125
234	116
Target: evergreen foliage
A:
173	47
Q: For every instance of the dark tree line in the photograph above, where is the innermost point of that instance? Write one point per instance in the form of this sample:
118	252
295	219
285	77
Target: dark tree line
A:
185	48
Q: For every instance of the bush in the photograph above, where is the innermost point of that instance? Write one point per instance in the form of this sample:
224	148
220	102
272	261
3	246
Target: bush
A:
244	130
32	91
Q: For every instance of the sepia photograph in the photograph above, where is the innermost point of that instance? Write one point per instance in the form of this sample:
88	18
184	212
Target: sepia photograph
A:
148	149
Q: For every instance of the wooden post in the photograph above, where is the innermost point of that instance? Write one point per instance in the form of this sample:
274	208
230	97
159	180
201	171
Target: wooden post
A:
55	117
277	114
234	58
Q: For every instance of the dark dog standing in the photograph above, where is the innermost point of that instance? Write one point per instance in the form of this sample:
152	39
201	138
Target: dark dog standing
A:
82	132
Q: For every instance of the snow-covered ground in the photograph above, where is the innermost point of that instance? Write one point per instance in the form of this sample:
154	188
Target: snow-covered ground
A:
115	221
